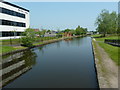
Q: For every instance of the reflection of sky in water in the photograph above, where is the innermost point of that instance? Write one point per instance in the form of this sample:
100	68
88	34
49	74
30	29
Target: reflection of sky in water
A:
67	63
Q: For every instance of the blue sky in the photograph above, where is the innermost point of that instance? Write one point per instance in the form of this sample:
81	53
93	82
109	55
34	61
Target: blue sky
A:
62	15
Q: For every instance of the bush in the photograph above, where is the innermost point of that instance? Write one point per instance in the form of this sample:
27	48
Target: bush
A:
28	37
26	41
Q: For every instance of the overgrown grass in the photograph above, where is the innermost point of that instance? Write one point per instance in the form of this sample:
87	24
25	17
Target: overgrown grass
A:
5	49
112	51
12	41
18	41
108	37
38	43
96	35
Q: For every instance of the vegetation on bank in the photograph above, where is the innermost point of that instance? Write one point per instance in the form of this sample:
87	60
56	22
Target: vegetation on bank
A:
96	35
31	38
112	51
107	37
6	49
107	23
107	26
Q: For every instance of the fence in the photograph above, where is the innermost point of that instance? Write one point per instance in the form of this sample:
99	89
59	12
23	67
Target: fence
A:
113	42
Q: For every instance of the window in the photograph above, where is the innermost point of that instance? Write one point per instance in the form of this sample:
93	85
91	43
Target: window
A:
10	33
13	13
12	23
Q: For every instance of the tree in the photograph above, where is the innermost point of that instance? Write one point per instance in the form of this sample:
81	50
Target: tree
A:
28	37
48	31
67	30
78	30
107	22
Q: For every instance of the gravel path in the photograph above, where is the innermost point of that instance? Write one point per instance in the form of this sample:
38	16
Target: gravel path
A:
107	70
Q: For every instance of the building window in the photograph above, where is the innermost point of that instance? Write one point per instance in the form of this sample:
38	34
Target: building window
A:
10	33
12	23
11	12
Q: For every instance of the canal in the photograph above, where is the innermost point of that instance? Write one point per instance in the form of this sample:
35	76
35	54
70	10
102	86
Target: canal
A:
65	64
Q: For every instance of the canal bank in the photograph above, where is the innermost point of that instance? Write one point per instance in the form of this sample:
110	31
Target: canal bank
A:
65	64
38	45
107	70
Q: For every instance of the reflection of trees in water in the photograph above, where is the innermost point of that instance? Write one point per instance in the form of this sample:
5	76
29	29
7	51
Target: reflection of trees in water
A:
68	41
29	57
41	49
74	41
58	44
17	66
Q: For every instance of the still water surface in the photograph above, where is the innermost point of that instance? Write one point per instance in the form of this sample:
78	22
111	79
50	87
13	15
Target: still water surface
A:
64	64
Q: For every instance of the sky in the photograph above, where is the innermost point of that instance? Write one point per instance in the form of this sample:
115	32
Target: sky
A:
63	15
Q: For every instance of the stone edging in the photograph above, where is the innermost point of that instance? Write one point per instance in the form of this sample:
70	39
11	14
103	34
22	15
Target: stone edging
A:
95	64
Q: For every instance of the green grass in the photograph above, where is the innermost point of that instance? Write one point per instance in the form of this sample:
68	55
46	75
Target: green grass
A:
8	42
96	51
108	37
97	55
18	41
111	50
5	49
96	35
38	43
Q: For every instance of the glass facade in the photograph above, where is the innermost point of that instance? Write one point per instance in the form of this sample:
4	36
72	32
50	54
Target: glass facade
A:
9	33
11	12
12	23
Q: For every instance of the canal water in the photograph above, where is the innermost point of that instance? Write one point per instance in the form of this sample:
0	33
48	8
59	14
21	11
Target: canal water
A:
65	64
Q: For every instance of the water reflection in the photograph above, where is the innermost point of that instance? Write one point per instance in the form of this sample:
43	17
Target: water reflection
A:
73	41
15	65
56	66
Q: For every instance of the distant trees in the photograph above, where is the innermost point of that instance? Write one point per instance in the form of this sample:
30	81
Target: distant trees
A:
32	35
80	31
107	23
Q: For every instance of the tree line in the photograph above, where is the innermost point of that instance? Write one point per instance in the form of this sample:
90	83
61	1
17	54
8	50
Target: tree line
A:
107	23
30	35
78	31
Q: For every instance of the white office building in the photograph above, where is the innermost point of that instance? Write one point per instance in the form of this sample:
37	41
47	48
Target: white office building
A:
13	20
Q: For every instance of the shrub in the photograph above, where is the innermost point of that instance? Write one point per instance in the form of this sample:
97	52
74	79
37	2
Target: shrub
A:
28	37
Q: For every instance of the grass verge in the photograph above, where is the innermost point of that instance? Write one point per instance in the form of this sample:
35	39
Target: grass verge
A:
112	51
6	49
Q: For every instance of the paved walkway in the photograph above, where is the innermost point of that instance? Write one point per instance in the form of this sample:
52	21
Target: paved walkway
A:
106	68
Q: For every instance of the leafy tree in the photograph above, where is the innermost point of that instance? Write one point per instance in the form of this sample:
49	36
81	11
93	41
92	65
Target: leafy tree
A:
28	37
73	31
67	30
48	31
107	22
78	30
118	30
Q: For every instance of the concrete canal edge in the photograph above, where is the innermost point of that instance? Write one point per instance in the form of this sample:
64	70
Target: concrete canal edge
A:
45	43
95	65
97	68
107	71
